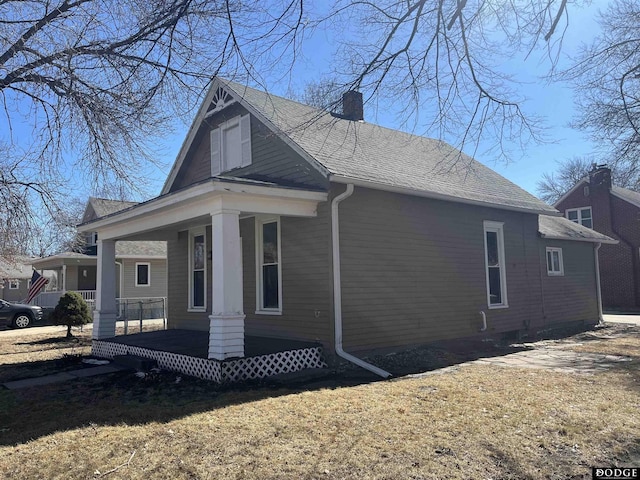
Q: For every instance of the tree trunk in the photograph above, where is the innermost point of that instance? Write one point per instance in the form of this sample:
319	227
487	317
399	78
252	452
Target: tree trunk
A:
69	334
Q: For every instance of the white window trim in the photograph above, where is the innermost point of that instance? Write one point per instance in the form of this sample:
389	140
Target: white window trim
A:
579	212
553	273
14	284
216	144
194	233
93	240
260	310
138	284
498	228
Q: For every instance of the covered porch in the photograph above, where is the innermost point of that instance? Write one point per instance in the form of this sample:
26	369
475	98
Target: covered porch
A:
206	336
187	351
67	272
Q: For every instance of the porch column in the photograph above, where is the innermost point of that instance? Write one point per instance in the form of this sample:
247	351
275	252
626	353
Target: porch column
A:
226	322
104	316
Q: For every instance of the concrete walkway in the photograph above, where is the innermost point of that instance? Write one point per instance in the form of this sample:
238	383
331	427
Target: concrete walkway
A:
631	319
45	329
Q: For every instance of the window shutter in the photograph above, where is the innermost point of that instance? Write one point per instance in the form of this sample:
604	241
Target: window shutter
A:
216	158
245	138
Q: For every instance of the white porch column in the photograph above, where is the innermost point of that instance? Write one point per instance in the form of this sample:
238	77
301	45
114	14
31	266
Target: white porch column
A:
64	277
104	316
226	322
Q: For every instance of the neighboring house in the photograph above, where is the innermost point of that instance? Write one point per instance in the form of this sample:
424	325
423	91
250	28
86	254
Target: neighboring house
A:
15	278
141	266
614	211
288	228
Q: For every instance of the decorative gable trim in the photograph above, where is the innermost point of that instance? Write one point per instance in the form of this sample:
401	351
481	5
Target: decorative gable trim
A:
220	100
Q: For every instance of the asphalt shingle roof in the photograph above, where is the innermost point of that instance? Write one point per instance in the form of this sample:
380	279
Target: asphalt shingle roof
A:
105	206
562	228
369	152
630	196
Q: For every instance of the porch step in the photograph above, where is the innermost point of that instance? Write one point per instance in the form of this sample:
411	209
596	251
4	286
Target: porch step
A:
135	362
307	375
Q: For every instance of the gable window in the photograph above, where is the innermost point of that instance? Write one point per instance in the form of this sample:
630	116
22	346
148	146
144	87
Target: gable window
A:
268	264
14	284
143	274
197	270
554	262
231	145
580	215
495	272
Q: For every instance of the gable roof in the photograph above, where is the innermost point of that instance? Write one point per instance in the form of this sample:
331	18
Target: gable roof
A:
99	207
375	156
559	228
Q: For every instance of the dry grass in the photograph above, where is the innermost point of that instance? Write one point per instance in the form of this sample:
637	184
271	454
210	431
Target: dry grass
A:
475	422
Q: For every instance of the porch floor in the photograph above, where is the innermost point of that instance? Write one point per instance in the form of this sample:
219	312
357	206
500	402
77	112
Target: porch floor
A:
195	343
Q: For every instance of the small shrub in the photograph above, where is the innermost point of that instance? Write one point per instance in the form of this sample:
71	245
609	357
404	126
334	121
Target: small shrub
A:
71	311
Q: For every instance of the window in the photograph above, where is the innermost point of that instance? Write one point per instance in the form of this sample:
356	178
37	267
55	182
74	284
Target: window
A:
495	265
14	284
581	216
93	238
231	145
554	261
197	271
269	284
143	274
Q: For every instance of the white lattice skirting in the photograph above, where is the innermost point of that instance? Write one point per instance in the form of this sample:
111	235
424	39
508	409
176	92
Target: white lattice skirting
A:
219	371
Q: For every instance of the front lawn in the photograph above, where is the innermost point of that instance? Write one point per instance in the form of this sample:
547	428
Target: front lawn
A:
472	422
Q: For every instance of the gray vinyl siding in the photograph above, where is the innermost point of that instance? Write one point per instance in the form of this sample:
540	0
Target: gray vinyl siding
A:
178	284
18	294
306	280
158	278
572	297
272	159
413	270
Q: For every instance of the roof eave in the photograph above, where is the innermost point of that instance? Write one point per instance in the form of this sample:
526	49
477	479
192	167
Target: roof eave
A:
610	241
438	196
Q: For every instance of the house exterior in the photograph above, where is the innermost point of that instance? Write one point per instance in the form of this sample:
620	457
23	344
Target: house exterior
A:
614	211
141	266
15	278
285	222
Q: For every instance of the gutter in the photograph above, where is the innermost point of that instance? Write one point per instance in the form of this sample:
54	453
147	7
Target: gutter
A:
337	288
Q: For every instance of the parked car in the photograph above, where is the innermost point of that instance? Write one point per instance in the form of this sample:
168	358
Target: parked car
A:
17	315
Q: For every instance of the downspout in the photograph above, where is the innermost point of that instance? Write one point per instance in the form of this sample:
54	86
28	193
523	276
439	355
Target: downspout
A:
337	288
598	292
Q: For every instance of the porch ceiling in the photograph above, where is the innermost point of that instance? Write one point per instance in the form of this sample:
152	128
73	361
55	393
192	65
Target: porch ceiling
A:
157	218
57	261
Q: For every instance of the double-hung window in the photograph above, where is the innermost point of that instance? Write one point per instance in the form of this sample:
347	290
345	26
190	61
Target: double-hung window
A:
583	216
197	270
268	263
143	274
554	262
14	284
231	145
495	271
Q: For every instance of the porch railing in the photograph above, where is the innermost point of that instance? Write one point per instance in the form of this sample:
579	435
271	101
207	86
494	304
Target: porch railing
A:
50	299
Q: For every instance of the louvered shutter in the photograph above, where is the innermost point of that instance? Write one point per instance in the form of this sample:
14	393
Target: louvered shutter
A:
216	164
245	139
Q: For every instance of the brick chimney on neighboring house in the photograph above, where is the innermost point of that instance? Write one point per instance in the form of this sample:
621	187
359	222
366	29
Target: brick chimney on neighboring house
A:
600	176
352	106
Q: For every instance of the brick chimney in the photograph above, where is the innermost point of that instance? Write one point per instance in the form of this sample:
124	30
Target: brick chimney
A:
352	108
600	176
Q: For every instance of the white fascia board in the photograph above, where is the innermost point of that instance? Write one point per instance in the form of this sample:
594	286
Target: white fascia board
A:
437	196
141	257
579	239
203	200
570	191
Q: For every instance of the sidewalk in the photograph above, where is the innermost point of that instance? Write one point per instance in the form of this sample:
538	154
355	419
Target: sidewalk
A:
631	319
37	330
